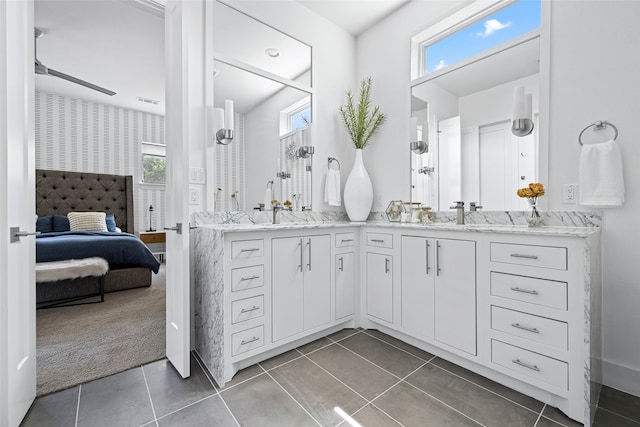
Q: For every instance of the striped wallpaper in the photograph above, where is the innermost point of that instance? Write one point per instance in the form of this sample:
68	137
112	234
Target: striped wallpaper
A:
82	136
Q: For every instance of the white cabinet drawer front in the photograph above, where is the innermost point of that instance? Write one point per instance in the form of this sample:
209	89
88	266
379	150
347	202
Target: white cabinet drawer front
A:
247	249
381	240
534	365
534	328
244	341
247	277
344	240
248	308
534	256
543	292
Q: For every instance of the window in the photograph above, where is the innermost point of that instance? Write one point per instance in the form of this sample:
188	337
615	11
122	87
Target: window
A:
154	163
301	118
295	116
476	30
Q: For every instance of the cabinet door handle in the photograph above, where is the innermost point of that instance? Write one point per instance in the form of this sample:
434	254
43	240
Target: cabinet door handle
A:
526	365
244	279
437	258
386	265
250	250
309	255
346	240
526	291
243	342
341	268
301	255
247	310
524	256
378	240
427	256
526	328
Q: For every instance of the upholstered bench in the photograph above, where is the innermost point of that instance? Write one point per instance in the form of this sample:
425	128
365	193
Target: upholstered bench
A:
58	272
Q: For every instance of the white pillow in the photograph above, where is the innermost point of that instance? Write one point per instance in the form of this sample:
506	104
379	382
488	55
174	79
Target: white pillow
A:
87	221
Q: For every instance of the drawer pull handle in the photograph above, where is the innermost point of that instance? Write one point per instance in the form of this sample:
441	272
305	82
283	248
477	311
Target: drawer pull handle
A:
250	250
526	328
244	279
247	310
526	291
526	365
524	256
243	342
346	240
378	240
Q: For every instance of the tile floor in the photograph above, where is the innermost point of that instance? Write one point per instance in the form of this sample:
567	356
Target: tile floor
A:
372	378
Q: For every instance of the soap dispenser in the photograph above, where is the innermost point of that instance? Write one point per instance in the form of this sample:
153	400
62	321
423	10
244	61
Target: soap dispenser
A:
268	196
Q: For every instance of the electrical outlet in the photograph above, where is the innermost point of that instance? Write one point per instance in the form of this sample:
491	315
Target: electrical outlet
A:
569	193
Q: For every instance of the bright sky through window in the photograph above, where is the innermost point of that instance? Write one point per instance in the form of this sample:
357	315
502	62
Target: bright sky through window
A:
301	118
504	25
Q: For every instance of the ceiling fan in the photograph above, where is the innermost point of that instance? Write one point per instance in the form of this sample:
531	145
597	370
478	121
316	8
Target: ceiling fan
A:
42	69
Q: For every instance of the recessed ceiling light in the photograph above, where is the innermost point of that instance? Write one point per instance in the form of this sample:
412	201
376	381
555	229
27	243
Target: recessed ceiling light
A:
147	100
272	52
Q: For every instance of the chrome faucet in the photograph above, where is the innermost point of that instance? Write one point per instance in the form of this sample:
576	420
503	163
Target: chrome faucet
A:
276	213
460	214
473	206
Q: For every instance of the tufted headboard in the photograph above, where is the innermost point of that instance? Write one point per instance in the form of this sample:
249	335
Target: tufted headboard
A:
61	192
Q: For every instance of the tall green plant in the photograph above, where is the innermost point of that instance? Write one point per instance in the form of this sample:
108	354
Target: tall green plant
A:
361	122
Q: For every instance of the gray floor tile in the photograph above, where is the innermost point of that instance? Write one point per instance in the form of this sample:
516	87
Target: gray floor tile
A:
362	376
314	345
243	375
317	391
347	332
605	418
169	392
411	407
396	361
53	410
524	400
370	416
483	406
546	422
280	359
620	402
119	400
424	355
558	416
206	413
262	402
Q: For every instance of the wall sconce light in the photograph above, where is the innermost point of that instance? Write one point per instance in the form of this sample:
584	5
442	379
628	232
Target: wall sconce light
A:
224	123
522	124
305	151
419	147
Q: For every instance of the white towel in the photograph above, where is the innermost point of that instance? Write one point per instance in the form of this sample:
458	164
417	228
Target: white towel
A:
332	188
600	180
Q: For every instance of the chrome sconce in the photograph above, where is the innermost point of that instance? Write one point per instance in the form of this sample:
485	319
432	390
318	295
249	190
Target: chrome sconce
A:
522	124
224	123
419	147
305	151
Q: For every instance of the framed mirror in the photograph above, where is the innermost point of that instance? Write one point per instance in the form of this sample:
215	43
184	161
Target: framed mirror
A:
463	115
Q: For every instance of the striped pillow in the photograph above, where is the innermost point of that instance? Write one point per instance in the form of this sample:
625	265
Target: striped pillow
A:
89	221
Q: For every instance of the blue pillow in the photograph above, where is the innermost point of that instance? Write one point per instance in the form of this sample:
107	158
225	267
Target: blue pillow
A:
61	223
111	223
44	224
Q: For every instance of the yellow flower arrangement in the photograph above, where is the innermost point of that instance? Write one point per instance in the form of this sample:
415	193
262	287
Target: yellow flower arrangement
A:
531	193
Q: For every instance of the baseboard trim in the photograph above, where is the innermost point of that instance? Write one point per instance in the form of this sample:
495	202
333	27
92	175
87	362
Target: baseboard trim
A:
621	377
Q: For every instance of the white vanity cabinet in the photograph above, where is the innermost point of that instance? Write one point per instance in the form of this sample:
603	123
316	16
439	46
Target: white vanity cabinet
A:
345	274
301	284
379	276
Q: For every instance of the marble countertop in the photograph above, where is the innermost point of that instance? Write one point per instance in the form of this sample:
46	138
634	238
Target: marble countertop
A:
440	226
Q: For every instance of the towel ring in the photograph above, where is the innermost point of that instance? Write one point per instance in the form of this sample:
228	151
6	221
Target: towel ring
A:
599	125
332	159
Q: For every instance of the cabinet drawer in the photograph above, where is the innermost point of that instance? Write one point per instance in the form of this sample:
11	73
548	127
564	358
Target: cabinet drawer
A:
153	237
247	249
248	308
381	240
534	365
244	341
247	277
534	256
534	328
548	293
344	240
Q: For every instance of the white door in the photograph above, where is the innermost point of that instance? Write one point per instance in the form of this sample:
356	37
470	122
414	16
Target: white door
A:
317	281
418	273
287	286
449	162
380	286
17	209
345	291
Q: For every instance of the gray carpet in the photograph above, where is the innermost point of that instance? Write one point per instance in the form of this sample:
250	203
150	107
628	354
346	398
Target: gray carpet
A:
85	342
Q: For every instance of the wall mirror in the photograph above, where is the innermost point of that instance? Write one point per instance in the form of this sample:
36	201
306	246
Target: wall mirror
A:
463	112
272	111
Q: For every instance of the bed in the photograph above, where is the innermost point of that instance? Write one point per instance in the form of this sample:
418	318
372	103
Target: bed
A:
60	192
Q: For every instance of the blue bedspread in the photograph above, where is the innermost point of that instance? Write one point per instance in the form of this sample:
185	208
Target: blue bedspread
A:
119	249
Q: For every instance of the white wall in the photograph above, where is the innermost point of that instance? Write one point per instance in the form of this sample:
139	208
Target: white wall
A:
333	61
595	73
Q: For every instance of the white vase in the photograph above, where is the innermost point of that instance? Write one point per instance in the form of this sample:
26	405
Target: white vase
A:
358	191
